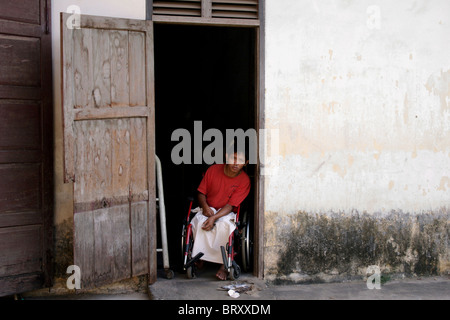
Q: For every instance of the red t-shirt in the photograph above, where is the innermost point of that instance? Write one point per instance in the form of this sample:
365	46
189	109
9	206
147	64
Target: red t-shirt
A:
221	190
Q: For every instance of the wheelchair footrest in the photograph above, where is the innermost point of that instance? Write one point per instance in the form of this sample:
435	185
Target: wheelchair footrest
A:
193	260
224	258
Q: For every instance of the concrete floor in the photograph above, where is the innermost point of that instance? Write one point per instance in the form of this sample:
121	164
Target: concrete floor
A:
207	287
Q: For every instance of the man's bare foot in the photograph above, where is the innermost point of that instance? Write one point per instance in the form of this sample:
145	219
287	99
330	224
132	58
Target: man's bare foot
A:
222	274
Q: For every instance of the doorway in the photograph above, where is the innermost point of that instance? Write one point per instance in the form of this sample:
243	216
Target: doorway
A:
207	74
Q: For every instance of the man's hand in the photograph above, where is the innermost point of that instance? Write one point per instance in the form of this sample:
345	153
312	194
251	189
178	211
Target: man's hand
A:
207	211
208	225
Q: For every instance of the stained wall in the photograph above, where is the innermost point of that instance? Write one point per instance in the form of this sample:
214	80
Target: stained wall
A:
360	94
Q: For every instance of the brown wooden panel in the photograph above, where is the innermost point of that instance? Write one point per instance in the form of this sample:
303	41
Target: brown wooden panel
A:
15	156
201	21
82	68
93	161
12	219
234	14
20	93
108	104
111	171
208	9
139	196
139	238
120	90
21	283
20	187
20	126
21	10
20	59
101	91
83	244
26	146
120	160
137	72
20	250
179	8
228	7
112	250
138	157
102	245
20	28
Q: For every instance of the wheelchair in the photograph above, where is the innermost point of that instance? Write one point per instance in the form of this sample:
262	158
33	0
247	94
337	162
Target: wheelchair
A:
239	246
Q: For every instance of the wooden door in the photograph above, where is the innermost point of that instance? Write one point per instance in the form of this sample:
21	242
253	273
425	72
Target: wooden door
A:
108	107
26	146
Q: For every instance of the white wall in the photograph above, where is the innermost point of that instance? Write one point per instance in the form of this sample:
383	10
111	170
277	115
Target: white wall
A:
131	9
362	102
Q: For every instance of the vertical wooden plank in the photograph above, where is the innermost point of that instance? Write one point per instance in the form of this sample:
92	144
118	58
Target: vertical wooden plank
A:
101	92
139	238
151	172
139	195
112	254
119	68
137	69
21	250
120	162
103	160
121	240
93	161
83	68
83	245
80	160
67	94
138	159
258	259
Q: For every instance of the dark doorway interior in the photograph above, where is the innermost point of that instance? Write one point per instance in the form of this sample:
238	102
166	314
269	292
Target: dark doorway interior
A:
203	74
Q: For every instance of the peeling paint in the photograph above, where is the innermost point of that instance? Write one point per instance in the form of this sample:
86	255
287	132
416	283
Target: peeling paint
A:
340	171
350	160
439	85
391	185
445	181
405	111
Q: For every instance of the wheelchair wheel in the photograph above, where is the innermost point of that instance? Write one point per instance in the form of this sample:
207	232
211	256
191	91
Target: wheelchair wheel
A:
190	273
183	242
184	231
246	240
235	272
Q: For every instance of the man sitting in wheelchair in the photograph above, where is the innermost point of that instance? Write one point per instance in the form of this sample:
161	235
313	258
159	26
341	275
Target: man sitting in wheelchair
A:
221	191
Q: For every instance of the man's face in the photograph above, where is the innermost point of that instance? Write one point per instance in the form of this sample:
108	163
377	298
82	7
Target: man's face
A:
235	161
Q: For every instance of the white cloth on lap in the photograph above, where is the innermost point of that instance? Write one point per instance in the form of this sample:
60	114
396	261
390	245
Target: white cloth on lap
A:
209	242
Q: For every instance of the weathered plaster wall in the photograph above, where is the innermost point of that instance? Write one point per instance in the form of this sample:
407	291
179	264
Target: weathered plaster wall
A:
360	93
63	221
